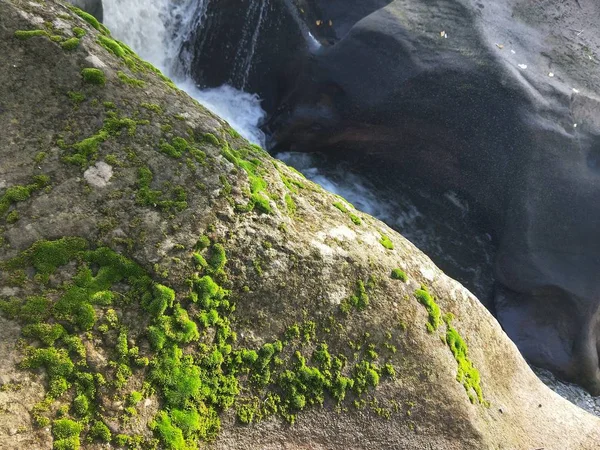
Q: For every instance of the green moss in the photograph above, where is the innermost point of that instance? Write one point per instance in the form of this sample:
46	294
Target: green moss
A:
435	315
233	133
81	405
27	34
170	434
46	333
40	156
193	388
134	398
218	258
359	301
66	434
89	19
152	107
130	80
203	242
342	207
366	375
148	197
388	370
12	217
355	219
86	151
399	274
17	194
291	183
93	76
248	412
70	44
79	32
200	261
47	256
261	203
163	299
111	45
467	374
386	242
211	139
99	431
176	148
290	204
56	362
76	97
258	185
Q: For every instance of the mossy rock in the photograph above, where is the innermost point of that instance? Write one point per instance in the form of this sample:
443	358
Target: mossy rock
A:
134	314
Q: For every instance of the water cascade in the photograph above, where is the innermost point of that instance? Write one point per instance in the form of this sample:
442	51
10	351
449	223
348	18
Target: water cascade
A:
156	30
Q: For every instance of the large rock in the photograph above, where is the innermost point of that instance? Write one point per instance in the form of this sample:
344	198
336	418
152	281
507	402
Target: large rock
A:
476	113
194	283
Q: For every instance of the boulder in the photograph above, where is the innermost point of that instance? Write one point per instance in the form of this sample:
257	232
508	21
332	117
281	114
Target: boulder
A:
496	102
206	292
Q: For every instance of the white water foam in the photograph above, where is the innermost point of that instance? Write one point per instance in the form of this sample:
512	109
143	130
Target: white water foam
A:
156	30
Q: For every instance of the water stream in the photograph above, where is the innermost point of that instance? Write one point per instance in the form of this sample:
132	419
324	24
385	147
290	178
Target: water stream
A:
156	30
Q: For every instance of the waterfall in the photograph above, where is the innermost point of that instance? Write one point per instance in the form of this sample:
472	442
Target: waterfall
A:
156	30
253	23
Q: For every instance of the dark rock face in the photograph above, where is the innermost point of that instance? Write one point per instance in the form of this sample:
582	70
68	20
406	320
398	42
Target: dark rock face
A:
477	113
255	45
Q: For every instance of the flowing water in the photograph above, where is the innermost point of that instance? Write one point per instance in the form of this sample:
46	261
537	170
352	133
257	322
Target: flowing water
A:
247	47
157	30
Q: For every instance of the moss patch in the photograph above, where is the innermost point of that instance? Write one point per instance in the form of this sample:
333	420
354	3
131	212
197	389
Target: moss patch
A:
386	242
288	374
353	217
93	76
435	314
86	151
111	45
70	44
91	20
27	34
175	199
17	194
131	81
79	32
247	160
467	374
399	274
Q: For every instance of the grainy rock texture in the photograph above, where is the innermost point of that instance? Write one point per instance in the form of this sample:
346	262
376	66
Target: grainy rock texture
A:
496	101
191	291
